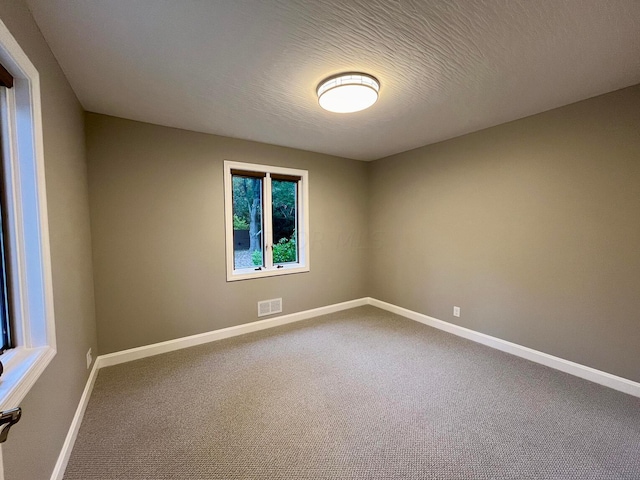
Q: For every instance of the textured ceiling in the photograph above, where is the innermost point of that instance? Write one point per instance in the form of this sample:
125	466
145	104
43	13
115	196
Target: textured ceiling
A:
249	68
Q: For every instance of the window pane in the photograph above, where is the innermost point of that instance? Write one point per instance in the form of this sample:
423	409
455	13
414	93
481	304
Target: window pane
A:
248	245
284	195
5	333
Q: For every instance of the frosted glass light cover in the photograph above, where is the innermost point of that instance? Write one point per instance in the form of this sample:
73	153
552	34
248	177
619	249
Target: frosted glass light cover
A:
348	93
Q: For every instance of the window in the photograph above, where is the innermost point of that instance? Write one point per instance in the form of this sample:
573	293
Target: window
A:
267	220
26	294
6	81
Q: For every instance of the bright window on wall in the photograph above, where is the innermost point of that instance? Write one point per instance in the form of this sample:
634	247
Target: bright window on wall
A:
267	220
26	295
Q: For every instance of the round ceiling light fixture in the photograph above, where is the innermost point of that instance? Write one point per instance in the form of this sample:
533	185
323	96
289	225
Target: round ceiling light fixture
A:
348	92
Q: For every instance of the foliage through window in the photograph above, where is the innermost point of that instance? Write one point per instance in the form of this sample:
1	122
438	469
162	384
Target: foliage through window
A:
266	220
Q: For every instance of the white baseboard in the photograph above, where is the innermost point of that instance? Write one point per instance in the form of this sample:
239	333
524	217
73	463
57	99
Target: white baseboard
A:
588	373
67	446
185	342
582	371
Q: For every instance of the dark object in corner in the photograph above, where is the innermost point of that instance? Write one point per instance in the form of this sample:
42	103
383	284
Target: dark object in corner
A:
9	418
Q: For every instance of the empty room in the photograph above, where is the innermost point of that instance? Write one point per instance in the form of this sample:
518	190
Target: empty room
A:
290	239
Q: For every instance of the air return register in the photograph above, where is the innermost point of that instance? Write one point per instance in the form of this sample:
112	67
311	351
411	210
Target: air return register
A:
269	307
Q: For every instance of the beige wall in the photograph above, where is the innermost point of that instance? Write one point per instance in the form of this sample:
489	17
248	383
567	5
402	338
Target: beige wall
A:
34	444
157	219
532	228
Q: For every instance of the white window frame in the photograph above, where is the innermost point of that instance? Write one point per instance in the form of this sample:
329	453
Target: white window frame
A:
269	270
31	286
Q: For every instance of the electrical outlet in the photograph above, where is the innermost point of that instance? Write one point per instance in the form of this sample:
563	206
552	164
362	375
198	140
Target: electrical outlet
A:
89	359
456	311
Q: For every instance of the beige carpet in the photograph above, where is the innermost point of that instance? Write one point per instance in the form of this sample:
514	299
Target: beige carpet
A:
353	395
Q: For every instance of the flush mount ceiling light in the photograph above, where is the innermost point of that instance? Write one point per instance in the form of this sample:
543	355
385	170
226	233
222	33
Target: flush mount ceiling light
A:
348	92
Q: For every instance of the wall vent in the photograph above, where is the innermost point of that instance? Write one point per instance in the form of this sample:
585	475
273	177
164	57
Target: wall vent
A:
269	307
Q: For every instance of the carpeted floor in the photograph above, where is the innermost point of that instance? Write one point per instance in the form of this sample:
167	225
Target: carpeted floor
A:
360	394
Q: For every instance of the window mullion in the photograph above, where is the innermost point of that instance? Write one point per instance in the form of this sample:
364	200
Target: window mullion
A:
268	223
